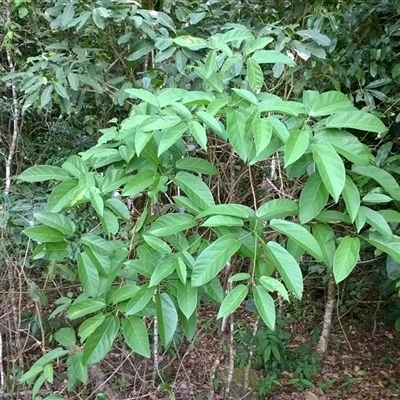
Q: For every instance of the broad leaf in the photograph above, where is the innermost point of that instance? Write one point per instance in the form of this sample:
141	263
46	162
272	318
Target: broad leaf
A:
62	195
195	189
388	244
299	235
233	210
265	305
66	337
213	259
196	165
325	236
41	173
84	307
90	325
167	318
346	257
254	76
141	181
139	300
99	343
57	221
170	137
376	220
287	267
165	268
328	103
170	224
213	124
351	196
233	300
135	334
313	198
273	285
356	120
187	298
331	168
43	234
199	133
143	95
222	220
272	57
383	178
296	145
277	208
235	127
88	275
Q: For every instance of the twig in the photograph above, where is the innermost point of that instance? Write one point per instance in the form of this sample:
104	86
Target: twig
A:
248	366
155	347
231	352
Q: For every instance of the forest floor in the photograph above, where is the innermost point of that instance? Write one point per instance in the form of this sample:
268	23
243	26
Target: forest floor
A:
362	362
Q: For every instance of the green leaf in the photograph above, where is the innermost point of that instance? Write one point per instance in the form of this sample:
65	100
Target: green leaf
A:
351	197
46	96
316	36
296	145
383	178
240	276
233	300
196	165
331	168
170	224
272	57
299	235
325	237
170	137
167	317
76	367
195	189
233	210
213	124
90	325
75	166
135	334
88	275
109	223
257	44
43	234
222	220
356	120
118	207
273	285
265	306
187	298
123	293
143	95
313	198
199	133
388	244
97	244
346	257
141	181
255	76
113	180
157	244
376	220
235	126
287	267
66	337
140	299
97	202
41	173
99	343
213	259
85	307
189	325
165	268
376	198
62	195
328	103
191	42
277	208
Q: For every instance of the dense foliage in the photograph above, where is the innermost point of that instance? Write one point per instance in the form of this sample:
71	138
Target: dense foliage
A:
196	159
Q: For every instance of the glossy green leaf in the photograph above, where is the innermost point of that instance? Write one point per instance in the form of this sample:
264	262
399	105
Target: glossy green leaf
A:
273	285
75	166
46	96
351	196
272	57
90	325
113	180
43	234
100	342
233	210
97	244
376	198
222	220
382	177
191	42
157	244
139	300
62	195
233	300
376	220
254	76
199	133
170	224
41	173
187	298
313	198
299	235
325	236
277	208
328	103
346	257
287	267
88	275
189	325
143	95
196	165
170	136
118	207
265	306
85	307
57	221
195	189
331	168
167	317
388	244
213	124
97	202
124	293
76	367
135	334
356	120
235	127
141	181
163	269
213	259
296	145
240	276
66	337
